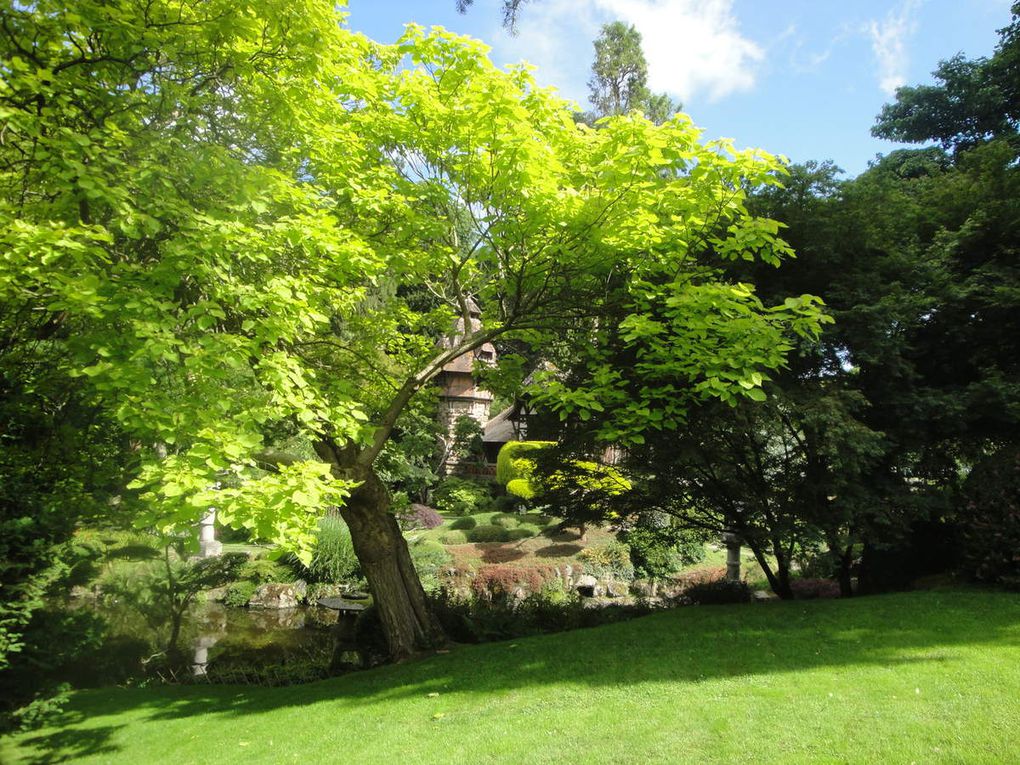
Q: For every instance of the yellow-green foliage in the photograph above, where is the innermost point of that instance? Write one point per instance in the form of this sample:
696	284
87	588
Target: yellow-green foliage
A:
592	476
521	487
510	464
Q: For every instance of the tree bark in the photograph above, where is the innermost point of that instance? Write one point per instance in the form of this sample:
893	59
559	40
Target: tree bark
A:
397	594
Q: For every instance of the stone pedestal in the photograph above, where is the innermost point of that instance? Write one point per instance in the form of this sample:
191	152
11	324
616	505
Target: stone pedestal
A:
732	542
208	545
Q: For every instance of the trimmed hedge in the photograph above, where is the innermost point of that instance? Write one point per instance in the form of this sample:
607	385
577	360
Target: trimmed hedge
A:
509	461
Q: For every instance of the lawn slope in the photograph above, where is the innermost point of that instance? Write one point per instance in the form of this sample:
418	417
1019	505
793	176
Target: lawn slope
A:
914	677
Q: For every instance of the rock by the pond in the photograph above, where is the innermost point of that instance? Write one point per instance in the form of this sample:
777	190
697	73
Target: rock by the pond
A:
588	586
278	595
340	604
614	589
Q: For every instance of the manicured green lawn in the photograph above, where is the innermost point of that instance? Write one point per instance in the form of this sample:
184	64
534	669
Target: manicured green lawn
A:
925	677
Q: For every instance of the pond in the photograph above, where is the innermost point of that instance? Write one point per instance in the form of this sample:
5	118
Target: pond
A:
217	644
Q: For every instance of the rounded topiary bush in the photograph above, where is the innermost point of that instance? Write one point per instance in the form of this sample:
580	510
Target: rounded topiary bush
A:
488	533
506	521
464	524
453	538
515	535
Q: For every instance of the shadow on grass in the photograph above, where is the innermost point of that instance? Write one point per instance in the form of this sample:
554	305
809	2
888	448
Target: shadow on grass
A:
70	744
562	550
686	645
503	554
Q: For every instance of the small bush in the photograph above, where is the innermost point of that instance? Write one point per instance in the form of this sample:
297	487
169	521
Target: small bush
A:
420	517
333	559
488	533
608	561
657	551
515	535
508	503
506	521
453	538
719	592
809	589
239	593
460	496
464	524
262	570
428	559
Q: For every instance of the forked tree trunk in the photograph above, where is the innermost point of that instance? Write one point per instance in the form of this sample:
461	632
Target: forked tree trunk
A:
407	622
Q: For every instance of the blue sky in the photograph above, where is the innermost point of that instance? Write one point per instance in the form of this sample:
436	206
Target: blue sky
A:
804	78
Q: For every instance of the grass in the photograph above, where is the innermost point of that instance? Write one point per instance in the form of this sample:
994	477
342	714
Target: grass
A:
914	677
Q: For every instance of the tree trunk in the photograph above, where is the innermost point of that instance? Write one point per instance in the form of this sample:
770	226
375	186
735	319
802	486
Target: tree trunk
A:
407	622
779	580
846	587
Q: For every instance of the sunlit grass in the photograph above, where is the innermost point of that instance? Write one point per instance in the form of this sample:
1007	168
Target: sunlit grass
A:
915	677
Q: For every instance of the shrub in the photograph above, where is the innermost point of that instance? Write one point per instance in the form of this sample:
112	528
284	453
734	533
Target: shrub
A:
488	533
239	593
658	551
718	592
262	570
460	496
608	561
498	580
808	589
428	559
515	535
509	503
453	538
333	559
506	521
512	465
474	617
521	488
991	520
464	524
420	517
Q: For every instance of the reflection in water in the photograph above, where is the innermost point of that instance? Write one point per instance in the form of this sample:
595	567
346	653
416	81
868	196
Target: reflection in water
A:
223	644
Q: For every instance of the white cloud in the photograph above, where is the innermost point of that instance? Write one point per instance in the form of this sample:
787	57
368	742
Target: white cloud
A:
693	47
889	44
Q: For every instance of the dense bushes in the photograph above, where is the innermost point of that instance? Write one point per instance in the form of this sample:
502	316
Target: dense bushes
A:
718	592
262	571
991	529
608	561
460	496
661	549
471	618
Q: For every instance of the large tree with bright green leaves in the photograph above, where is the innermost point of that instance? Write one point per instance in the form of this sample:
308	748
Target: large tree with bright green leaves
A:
254	227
